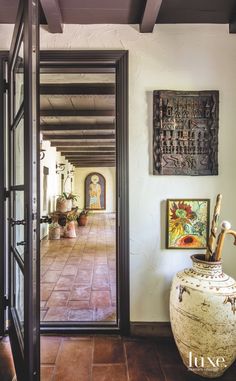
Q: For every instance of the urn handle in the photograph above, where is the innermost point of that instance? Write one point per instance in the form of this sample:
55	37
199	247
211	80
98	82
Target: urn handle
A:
182	289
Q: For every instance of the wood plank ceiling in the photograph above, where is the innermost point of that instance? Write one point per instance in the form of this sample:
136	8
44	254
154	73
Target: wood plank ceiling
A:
146	13
79	118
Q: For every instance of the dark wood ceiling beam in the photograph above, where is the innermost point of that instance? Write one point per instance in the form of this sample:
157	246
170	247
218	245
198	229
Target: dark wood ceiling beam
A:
94	165
82	144
232	25
94	113
79	137
77	89
76	127
89	154
53	15
91	157
73	150
150	14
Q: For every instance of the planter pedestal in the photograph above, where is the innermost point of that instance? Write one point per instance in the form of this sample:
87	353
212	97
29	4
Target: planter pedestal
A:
203	317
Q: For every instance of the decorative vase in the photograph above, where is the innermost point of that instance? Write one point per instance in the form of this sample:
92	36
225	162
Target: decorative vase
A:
82	220
68	205
70	230
61	205
203	317
55	233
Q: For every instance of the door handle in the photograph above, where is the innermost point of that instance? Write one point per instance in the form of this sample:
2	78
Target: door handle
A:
45	220
22	243
17	222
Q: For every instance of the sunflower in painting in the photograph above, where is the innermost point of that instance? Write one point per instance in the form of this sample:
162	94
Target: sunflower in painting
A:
184	225
181	214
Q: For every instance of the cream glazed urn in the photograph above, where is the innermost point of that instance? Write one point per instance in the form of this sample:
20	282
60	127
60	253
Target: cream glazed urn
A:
203	317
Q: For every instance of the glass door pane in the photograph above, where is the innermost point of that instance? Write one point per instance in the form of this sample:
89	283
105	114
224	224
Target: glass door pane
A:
18	77
3	199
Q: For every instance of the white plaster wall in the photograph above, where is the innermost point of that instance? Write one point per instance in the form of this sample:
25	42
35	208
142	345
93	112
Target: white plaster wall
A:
183	57
52	157
110	176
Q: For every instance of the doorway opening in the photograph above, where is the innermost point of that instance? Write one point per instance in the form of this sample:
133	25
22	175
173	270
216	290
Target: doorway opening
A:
84	271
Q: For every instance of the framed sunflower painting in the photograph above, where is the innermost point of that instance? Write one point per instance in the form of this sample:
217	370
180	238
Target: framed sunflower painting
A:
187	223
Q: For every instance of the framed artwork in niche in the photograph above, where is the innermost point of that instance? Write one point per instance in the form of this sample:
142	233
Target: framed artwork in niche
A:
187	223
185	132
95	191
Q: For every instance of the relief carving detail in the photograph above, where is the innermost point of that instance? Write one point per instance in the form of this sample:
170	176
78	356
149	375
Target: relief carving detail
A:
185	132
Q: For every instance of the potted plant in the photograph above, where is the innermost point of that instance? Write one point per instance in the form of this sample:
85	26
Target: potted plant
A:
70	225
62	220
54	231
82	219
61	205
70	200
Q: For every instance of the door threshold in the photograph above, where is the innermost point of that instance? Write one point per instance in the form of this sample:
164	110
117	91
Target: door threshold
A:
79	329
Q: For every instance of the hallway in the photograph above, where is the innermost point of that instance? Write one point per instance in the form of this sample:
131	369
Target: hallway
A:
78	275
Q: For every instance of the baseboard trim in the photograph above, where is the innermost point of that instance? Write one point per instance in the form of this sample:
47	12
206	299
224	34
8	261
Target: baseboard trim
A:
151	329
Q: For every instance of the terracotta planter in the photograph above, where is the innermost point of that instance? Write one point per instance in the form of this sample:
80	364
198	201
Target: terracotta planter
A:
55	233
61	205
70	230
203	317
82	220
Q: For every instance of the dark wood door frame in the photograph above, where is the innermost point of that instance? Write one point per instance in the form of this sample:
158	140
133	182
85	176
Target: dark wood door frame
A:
105	60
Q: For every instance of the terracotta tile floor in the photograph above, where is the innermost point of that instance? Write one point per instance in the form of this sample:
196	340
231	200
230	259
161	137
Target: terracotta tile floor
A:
78	275
103	358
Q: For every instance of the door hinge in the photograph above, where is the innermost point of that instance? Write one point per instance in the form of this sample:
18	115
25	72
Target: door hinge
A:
6	194
5	302
5	86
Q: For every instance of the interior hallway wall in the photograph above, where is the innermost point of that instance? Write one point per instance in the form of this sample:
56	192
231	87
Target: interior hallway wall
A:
110	176
52	157
177	57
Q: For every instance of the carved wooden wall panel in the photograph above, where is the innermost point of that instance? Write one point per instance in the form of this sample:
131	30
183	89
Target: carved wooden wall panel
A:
185	132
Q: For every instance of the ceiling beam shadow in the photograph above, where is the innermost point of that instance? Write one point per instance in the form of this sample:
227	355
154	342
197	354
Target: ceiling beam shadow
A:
52	12
150	14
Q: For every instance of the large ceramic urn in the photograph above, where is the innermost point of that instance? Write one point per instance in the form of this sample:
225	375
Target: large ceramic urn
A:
203	317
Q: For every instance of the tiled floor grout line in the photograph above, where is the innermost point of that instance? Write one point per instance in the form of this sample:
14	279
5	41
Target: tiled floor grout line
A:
54	370
91	369
126	361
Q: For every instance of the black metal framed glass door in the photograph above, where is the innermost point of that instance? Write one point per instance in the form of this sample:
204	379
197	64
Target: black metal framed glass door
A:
3	173
23	208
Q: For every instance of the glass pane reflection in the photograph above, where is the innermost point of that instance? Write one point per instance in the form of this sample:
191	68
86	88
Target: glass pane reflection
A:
18	75
19	153
19	294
